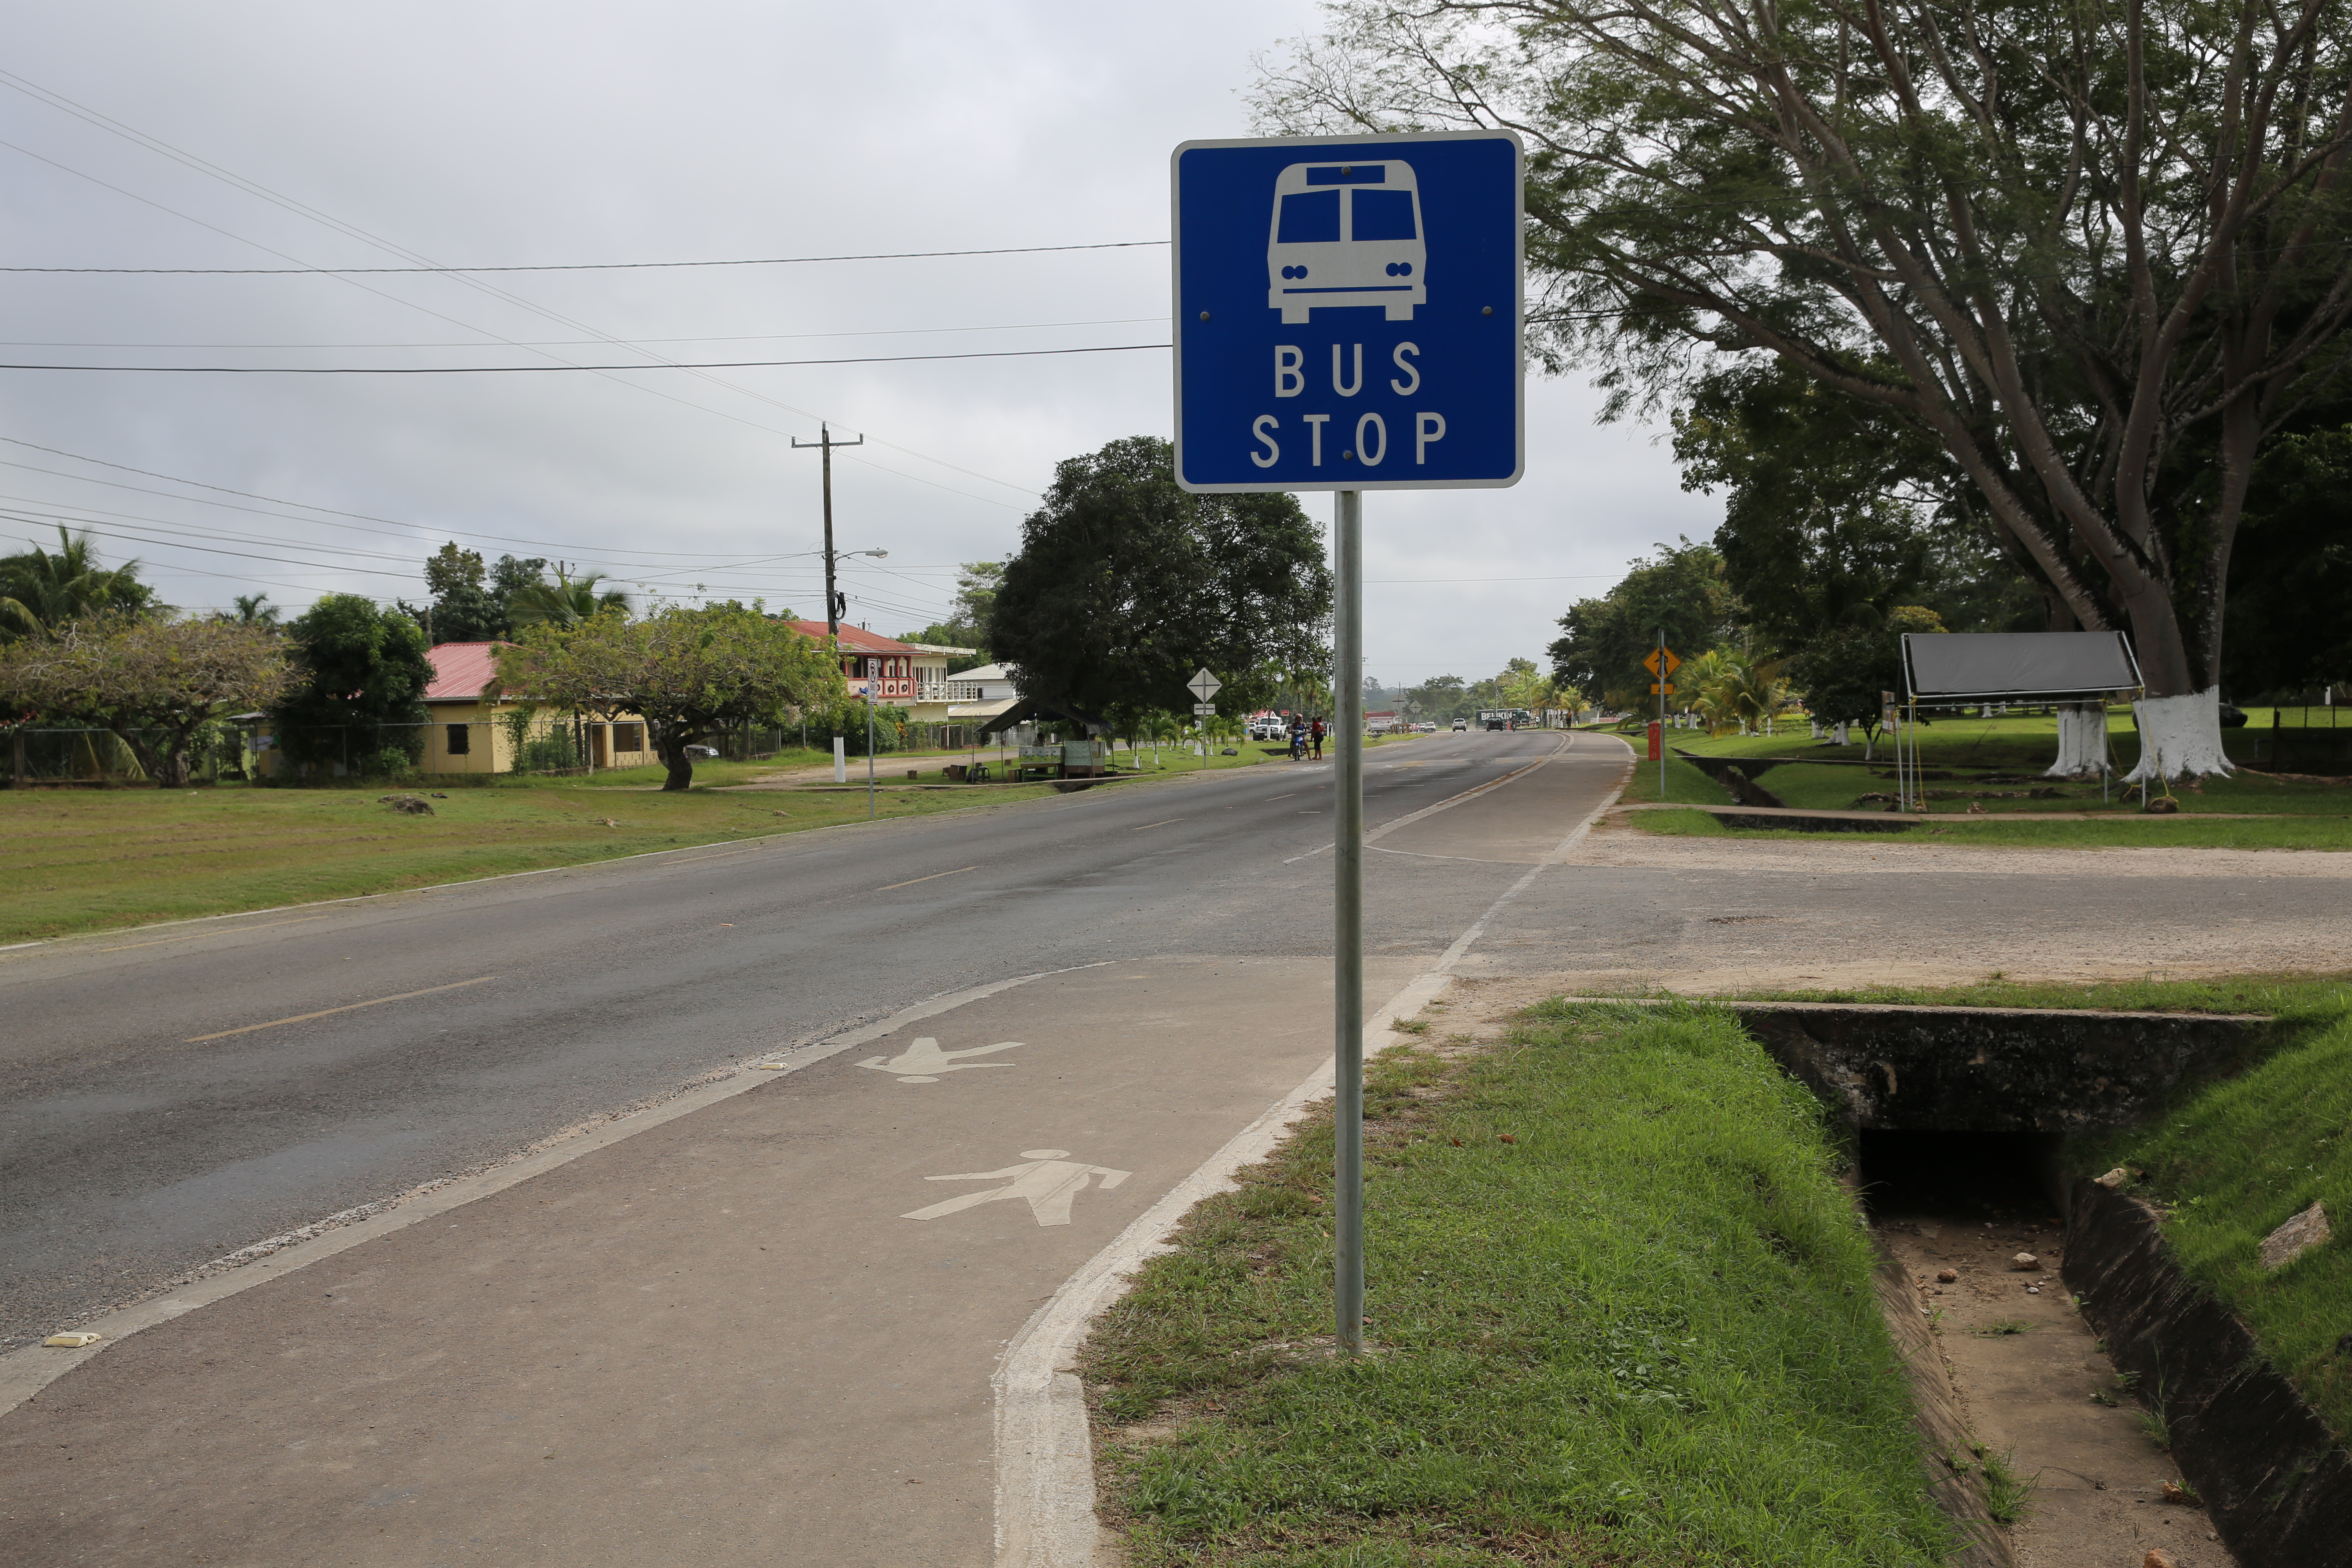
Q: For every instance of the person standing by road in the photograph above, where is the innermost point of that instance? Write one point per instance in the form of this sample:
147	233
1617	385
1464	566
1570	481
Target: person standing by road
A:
1317	734
1297	737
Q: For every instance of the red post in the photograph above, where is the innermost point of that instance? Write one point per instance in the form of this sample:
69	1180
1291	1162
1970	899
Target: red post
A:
1657	741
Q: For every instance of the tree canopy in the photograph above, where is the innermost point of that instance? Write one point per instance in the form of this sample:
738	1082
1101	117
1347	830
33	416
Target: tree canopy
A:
1680	589
968	619
1125	584
1835	512
152	682
689	673
1847	673
361	675
471	602
2092	252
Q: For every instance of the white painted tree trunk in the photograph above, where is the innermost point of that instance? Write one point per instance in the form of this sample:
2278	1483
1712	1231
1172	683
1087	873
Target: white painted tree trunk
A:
1842	738
2179	737
2081	741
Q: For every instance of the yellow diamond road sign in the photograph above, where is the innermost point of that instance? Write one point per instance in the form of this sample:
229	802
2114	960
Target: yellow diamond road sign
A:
1673	663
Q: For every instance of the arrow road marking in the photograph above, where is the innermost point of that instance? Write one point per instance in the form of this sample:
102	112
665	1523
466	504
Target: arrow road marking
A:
923	1061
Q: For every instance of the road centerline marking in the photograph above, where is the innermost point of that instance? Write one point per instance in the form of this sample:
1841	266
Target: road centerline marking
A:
1161	824
932	877
330	1012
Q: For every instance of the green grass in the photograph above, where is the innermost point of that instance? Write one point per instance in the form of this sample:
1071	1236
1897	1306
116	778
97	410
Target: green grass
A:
2295	999
2009	1496
89	860
1685	786
1643	1331
2232	1160
2122	832
2016	744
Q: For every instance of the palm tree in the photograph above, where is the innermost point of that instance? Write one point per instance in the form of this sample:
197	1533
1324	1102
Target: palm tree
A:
1708	678
256	610
566	602
40	591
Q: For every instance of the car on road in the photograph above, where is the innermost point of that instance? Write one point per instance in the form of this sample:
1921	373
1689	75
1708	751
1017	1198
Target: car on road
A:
1462	723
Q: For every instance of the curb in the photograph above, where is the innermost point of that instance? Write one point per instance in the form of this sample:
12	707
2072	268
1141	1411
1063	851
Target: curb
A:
1045	1447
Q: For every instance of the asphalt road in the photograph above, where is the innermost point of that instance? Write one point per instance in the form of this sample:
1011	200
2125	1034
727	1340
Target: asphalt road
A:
177	1093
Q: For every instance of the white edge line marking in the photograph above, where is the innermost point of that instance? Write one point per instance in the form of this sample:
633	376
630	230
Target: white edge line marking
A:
1045	1451
1391	826
25	1371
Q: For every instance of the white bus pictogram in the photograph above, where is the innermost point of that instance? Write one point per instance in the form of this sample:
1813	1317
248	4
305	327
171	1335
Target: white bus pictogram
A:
1346	234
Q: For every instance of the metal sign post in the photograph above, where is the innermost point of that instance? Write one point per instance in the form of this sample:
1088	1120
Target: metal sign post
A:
1205	687
1393	263
1662	664
1347	931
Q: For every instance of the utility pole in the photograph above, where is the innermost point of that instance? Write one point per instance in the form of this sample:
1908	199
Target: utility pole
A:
824	443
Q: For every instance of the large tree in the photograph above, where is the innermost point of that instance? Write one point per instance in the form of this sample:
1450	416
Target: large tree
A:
152	682
1680	591
1125	584
689	674
362	674
2291	578
1835	512
2094	250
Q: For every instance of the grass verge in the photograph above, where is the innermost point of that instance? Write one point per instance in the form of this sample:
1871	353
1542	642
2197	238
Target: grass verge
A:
2294	999
2134	832
2232	1160
1623	1314
88	861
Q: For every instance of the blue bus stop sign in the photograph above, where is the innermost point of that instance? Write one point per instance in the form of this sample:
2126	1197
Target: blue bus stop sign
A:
1348	312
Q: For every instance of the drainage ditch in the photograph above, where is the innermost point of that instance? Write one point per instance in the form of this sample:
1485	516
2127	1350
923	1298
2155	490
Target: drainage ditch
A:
1959	1119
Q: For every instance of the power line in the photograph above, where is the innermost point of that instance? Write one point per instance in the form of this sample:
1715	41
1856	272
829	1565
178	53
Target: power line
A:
590	342
581	265
394	529
561	368
238	182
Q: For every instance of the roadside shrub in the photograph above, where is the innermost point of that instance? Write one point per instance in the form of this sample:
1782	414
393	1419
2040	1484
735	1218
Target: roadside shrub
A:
393	762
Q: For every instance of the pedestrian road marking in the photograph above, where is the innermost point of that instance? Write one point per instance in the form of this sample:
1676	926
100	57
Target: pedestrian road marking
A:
932	877
1161	824
923	1061
330	1012
1048	1185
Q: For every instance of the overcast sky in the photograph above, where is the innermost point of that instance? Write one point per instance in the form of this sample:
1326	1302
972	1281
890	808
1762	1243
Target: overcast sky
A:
482	134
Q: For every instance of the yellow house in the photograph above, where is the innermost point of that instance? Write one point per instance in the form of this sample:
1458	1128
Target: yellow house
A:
469	735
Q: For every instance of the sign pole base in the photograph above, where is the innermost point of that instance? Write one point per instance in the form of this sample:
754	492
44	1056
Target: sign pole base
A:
1348	931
